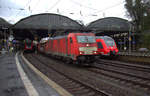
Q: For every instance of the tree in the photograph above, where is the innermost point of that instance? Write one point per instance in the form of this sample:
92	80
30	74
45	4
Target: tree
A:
136	11
139	12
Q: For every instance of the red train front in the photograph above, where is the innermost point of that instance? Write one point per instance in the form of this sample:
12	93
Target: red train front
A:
81	47
28	45
106	46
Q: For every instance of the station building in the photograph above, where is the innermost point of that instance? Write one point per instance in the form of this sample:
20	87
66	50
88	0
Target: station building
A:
4	32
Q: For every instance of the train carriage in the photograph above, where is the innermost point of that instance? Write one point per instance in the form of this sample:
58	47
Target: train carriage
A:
106	46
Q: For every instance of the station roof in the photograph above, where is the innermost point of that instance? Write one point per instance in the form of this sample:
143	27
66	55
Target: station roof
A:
47	21
4	23
111	24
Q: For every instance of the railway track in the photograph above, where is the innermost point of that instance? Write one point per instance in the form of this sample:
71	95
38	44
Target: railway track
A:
132	80
80	81
74	86
142	67
124	69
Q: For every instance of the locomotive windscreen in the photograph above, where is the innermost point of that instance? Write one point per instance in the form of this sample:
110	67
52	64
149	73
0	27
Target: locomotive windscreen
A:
28	42
86	39
109	41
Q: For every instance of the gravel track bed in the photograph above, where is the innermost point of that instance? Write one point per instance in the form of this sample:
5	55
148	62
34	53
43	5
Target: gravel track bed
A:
92	79
125	71
75	88
136	66
139	77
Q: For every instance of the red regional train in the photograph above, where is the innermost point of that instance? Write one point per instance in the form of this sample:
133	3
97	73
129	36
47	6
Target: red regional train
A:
28	45
78	47
106	46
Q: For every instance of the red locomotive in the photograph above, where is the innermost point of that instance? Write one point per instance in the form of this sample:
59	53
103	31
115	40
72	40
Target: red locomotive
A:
78	47
28	45
106	46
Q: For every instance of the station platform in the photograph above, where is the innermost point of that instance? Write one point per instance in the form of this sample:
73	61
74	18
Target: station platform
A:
10	81
137	54
17	79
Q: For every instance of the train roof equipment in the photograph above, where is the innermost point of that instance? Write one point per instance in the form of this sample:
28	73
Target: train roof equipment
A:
44	40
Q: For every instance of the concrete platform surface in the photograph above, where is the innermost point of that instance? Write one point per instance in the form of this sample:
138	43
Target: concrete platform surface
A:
12	83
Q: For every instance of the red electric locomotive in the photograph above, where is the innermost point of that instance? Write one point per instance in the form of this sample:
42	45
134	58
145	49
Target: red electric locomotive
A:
106	46
28	45
79	47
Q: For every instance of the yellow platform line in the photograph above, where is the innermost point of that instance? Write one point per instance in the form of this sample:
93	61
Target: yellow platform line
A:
58	88
27	83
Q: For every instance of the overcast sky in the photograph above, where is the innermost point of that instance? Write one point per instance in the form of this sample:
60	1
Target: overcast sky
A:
87	10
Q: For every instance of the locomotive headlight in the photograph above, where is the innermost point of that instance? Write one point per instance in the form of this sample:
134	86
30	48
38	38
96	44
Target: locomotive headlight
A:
87	45
81	52
95	52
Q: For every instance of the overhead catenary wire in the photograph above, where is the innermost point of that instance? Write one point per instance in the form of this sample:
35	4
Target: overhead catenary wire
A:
77	3
11	8
58	1
110	7
23	8
103	10
80	12
96	10
34	7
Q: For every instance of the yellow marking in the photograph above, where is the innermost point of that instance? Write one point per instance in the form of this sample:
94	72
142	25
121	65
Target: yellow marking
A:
58	88
27	83
88	50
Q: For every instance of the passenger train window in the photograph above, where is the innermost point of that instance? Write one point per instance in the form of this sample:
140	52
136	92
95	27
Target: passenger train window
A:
70	40
99	44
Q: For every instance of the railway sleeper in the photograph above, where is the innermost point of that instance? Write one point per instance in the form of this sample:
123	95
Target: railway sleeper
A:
77	88
71	85
88	94
84	91
69	82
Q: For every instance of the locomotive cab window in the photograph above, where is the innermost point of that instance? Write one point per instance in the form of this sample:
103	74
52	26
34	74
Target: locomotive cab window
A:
109	41
86	39
28	42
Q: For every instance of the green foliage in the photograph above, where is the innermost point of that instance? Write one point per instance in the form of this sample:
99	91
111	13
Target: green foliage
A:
146	40
146	25
137	11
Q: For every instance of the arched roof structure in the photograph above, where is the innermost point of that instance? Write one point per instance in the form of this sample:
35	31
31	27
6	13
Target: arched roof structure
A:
42	24
4	26
109	24
4	23
47	21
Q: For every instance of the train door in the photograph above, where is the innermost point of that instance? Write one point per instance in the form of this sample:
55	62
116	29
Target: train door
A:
100	46
66	48
70	46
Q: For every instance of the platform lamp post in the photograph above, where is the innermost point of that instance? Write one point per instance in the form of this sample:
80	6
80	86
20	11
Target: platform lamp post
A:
11	37
49	31
49	26
5	37
130	29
